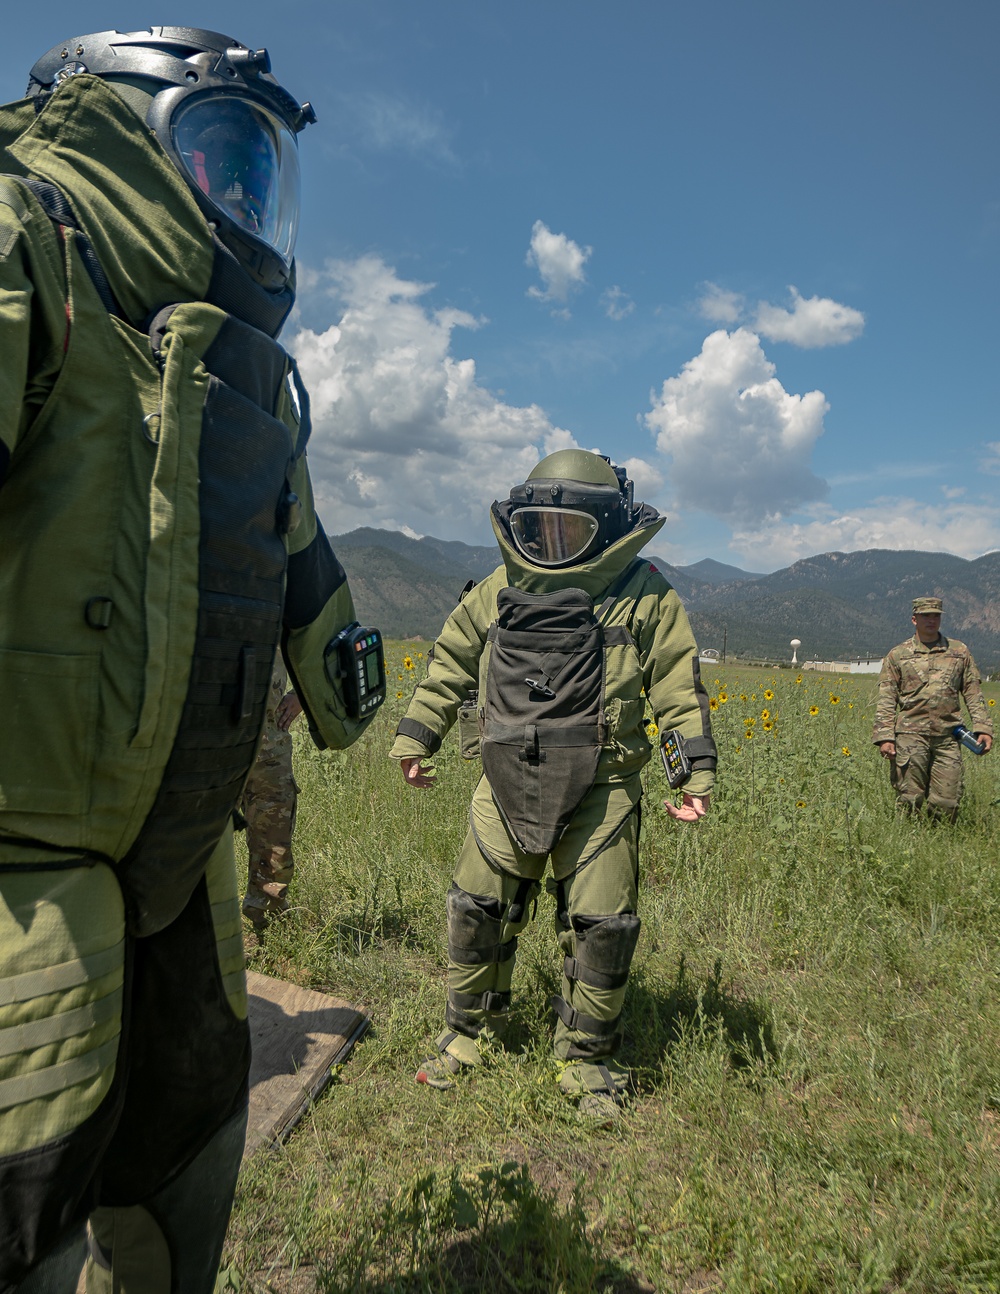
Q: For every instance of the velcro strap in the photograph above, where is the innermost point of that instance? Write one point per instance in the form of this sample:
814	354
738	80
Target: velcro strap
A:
482	956
489	1001
419	732
577	970
618	636
574	1019
700	748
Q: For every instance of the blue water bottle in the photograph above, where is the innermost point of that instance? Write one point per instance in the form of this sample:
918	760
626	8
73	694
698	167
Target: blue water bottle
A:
962	734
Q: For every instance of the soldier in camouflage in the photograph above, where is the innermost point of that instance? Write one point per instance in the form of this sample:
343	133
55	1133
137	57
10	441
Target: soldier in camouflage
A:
921	687
269	802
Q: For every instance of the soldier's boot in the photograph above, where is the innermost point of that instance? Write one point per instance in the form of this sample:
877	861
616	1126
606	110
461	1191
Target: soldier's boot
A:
599	952
267	888
482	944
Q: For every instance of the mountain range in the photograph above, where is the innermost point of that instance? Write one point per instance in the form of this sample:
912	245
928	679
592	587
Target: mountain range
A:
839	605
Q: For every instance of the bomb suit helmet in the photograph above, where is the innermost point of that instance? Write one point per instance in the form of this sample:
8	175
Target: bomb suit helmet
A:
573	505
223	120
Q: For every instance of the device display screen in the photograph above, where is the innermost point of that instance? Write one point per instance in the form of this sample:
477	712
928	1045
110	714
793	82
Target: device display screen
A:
372	671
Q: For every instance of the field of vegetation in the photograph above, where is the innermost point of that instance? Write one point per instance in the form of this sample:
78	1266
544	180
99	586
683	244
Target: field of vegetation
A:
813	1022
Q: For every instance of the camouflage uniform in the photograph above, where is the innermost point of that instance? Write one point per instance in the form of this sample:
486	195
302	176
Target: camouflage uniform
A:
269	801
919	704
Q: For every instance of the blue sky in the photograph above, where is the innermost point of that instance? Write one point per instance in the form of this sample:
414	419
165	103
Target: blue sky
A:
751	249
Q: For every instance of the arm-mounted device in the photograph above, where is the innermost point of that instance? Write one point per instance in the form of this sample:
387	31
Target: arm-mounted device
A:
355	659
683	756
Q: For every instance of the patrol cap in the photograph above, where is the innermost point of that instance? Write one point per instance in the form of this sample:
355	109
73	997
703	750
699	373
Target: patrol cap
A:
926	606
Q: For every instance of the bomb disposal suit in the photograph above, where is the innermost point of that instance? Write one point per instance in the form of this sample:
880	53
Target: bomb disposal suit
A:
564	644
157	540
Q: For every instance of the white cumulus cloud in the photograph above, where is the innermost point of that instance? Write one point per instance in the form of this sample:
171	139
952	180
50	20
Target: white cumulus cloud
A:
967	529
404	436
559	262
739	443
811	321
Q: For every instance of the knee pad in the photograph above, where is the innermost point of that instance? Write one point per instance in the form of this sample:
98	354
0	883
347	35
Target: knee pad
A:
475	927
603	951
604	948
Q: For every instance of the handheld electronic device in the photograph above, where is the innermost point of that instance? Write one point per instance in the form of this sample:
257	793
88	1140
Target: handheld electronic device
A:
356	658
676	763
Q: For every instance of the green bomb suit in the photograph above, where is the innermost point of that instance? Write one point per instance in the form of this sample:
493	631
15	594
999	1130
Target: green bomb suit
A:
149	564
595	863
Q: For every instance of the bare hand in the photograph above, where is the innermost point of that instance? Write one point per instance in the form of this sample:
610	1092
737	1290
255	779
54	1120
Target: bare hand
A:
887	750
289	709
415	772
691	808
985	740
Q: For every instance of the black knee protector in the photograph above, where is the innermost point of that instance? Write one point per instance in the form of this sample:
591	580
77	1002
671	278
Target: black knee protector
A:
475	925
605	947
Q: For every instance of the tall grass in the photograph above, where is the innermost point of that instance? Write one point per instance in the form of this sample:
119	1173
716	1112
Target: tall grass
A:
813	1020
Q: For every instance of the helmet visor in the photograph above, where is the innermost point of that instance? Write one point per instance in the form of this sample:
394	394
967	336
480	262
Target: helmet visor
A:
553	536
246	162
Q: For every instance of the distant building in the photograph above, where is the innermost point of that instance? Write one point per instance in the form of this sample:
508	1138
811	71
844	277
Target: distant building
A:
860	665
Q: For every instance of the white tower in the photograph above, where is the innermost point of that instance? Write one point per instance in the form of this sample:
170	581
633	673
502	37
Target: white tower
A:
795	644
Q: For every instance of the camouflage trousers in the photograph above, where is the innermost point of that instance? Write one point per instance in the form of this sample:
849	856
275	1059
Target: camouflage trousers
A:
927	770
269	802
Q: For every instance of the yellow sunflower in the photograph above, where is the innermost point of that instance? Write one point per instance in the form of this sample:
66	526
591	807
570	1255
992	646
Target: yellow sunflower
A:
844	750
834	700
768	695
768	725
800	804
407	662
814	709
713	704
749	734
765	714
724	697
991	701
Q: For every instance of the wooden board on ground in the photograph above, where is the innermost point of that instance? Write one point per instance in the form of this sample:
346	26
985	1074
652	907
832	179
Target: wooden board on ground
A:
297	1036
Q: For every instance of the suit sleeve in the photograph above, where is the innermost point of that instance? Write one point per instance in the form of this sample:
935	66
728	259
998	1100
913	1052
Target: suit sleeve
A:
452	674
672	678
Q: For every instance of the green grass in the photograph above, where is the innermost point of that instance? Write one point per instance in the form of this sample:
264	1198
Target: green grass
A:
813	1020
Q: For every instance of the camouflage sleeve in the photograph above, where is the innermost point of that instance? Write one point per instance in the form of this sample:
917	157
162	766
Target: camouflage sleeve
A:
451	675
979	715
884	728
671	676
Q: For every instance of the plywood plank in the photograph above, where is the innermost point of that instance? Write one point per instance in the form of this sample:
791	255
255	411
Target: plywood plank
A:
298	1035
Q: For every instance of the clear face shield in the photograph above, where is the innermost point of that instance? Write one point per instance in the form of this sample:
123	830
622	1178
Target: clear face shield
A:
553	536
246	162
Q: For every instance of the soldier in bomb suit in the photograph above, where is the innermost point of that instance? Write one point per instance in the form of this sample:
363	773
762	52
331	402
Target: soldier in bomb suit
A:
921	688
565	642
157	540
